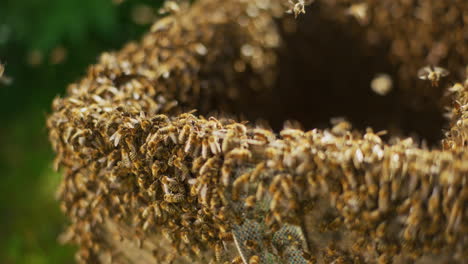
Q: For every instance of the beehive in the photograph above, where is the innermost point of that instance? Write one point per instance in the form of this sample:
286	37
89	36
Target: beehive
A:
147	179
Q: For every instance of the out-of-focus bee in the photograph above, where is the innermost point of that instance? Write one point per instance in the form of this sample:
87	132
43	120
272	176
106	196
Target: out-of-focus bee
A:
4	79
359	11
251	245
237	260
433	74
298	6
171	7
210	164
250	201
239	154
219	252
239	183
254	259
456	88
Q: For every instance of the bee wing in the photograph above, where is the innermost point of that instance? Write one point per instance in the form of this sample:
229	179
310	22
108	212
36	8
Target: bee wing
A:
443	72
423	73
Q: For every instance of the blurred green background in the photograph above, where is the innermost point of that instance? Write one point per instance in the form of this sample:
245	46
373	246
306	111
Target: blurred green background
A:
47	44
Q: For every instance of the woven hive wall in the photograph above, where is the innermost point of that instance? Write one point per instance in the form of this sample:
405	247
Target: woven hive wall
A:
147	179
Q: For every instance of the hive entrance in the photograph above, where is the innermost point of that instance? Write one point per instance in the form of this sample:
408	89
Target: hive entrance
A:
325	71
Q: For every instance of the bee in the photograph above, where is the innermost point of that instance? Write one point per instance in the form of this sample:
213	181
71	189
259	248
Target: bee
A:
192	138
226	171
384	194
239	154
214	145
171	131
170	185
433	74
263	135
291	133
184	133
174	198
456	88
358	11
239	182
4	79
237	260
254	259
250	201
298	7
209	165
171	7
171	209
251	245
382	84
219	252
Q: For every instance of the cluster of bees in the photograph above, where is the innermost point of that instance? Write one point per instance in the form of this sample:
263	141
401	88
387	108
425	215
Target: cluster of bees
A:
147	180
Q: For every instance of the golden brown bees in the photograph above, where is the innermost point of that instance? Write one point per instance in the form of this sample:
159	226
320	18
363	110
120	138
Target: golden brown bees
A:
138	166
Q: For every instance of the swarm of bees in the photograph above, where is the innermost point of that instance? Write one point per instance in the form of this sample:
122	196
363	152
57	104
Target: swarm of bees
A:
146	180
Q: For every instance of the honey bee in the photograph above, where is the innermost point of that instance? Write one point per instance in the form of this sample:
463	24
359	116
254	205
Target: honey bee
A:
174	198
358	11
4	79
226	171
219	252
250	201
298	6
291	133
263	135
239	154
237	260
239	183
254	259
184	133
210	164
456	88
433	74
251	245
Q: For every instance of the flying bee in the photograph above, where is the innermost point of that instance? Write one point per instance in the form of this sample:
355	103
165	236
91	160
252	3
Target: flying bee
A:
433	74
298	7
359	11
4	79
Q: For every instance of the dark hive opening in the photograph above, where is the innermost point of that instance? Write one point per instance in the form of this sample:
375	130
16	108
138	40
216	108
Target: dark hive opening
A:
325	70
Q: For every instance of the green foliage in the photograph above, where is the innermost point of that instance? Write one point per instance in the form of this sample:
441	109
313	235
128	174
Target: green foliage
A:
30	32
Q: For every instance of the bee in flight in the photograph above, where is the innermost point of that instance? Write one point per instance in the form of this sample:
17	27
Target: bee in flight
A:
4	79
433	74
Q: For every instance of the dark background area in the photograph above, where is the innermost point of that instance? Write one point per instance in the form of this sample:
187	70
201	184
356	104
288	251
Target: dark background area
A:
47	44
